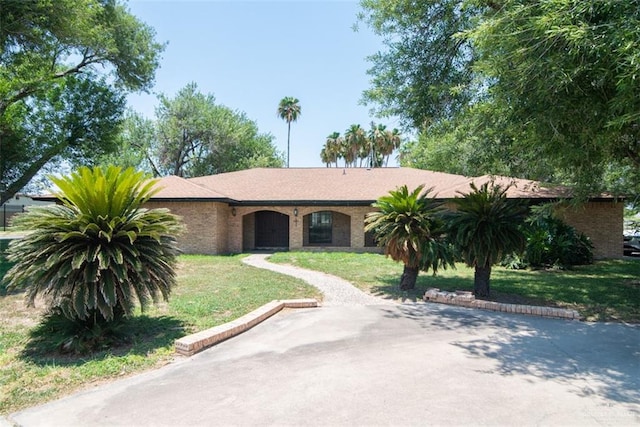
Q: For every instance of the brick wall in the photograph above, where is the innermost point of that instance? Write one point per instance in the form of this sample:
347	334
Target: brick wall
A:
602	222
205	225
212	228
348	227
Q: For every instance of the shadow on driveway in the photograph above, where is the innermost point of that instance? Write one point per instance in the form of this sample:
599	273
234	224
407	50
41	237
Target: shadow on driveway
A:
607	355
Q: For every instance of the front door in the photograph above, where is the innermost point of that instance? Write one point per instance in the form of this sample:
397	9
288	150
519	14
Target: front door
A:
272	230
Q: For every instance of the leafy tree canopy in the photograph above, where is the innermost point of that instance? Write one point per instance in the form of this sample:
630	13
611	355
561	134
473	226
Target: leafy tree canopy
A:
558	80
64	68
192	135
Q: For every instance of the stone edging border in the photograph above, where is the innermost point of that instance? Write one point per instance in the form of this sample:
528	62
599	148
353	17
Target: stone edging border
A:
191	344
466	299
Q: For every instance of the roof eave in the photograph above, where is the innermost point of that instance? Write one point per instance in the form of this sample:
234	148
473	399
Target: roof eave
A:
303	203
192	199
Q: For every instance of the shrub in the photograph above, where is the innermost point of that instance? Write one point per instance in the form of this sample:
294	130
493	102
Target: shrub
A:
552	242
98	253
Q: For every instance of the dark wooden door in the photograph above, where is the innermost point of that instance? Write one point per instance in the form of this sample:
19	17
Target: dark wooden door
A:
272	230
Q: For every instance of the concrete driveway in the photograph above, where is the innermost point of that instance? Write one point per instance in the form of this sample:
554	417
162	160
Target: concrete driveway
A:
418	364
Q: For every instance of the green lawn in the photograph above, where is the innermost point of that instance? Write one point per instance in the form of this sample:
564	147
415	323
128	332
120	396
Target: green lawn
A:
605	291
210	291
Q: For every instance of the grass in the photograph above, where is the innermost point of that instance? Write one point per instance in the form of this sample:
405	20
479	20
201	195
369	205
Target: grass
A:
605	291
210	291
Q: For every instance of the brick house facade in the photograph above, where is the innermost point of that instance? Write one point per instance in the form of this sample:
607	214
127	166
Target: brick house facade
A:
325	208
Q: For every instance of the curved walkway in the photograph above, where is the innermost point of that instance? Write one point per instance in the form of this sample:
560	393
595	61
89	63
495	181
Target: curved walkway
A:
337	291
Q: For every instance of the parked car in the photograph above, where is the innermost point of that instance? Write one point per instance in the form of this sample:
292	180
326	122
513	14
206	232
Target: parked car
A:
631	246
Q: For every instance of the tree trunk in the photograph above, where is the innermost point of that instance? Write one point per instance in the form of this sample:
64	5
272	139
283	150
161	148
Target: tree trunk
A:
408	279
481	281
289	138
17	185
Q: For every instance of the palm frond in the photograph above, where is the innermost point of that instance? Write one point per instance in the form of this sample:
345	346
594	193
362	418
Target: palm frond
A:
410	227
486	224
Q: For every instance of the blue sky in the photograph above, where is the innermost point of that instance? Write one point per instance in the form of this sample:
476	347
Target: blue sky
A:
251	54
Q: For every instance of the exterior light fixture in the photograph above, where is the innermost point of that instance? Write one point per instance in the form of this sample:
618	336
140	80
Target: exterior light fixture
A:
233	211
295	211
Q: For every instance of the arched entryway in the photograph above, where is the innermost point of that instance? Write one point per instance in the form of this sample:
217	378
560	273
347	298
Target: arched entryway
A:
271	230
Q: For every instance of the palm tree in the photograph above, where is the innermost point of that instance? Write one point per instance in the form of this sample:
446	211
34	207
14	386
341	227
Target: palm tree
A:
347	153
391	143
325	156
98	253
334	146
377	144
289	110
485	226
410	228
355	138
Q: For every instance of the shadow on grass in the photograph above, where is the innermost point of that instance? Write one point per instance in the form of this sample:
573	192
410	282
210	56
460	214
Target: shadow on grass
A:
607	291
591	359
387	286
138	335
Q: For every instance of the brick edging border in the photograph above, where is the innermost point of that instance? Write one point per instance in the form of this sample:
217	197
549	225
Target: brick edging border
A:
191	344
466	299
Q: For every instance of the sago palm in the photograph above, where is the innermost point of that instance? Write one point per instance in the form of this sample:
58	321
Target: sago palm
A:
98	253
485	226
410	228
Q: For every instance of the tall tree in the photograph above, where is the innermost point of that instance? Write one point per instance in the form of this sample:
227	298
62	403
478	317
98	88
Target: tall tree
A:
426	72
558	76
567	71
327	156
377	144
410	228
478	142
184	130
391	142
356	139
333	147
375	147
484	226
136	145
289	110
56	100
192	135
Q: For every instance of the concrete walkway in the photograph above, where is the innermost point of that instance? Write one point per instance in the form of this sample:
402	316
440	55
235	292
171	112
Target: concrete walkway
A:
337	291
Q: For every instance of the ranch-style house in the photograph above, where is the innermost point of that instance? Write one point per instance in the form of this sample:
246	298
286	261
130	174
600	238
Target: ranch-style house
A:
325	208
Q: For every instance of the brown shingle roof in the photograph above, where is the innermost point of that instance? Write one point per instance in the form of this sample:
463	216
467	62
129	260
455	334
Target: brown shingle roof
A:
349	185
517	188
174	187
